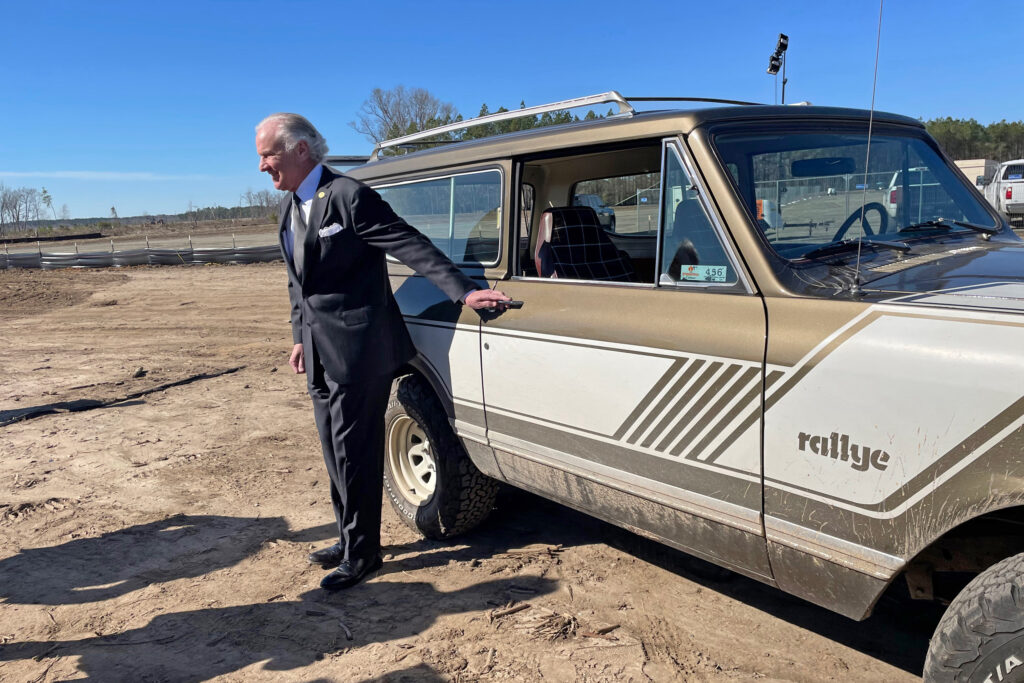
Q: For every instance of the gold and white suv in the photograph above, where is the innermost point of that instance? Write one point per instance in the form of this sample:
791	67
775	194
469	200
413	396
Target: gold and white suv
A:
762	357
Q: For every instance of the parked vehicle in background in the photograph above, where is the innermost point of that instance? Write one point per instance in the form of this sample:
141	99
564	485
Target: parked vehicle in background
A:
1006	191
799	355
978	171
910	198
605	214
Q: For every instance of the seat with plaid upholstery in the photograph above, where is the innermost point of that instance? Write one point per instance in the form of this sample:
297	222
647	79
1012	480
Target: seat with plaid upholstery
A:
572	244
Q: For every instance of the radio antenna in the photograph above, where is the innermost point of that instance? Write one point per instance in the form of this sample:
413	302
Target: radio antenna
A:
856	291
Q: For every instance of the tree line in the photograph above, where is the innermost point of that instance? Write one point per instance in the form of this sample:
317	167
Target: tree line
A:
23	206
968	139
24	209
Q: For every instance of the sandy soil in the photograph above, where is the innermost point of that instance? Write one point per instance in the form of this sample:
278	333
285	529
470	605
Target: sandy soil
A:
161	485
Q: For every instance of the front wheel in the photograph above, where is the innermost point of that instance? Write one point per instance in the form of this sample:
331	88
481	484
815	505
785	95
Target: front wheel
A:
981	636
429	479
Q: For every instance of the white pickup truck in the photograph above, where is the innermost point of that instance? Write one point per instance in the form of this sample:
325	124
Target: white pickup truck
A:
1006	191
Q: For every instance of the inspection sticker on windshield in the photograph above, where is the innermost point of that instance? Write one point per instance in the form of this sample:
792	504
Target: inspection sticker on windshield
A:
703	273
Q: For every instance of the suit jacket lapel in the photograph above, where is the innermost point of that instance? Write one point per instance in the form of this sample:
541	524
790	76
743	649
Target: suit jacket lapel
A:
317	211
286	219
321	199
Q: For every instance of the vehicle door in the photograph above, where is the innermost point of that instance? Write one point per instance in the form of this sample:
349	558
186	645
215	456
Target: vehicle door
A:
460	212
881	398
637	401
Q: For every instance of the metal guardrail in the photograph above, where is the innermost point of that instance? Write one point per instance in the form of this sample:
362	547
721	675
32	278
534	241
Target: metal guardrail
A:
141	257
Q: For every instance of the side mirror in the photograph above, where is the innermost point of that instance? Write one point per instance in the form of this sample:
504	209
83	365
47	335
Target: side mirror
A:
980	181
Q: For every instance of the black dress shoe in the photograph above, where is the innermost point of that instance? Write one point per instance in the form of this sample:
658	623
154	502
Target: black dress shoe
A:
328	557
350	573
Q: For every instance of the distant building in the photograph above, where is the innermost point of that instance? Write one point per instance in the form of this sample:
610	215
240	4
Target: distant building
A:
972	168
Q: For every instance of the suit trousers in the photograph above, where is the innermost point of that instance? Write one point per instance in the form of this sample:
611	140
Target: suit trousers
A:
350	421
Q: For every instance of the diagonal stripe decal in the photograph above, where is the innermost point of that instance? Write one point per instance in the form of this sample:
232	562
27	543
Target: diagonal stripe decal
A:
750	417
690	407
689	411
717	408
649	399
692	368
747	402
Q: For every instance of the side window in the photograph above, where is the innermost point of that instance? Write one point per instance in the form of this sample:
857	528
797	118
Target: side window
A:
625	205
476	217
591	214
691	251
1014	172
460	214
425	205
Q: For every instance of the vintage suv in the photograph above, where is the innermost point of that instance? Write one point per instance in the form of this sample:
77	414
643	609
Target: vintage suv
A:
823	396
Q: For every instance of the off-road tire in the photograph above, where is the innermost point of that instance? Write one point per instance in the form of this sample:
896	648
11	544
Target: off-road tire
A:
462	495
981	635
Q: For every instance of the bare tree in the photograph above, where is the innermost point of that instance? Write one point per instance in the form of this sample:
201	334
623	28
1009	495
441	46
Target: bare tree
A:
48	201
6	198
25	207
16	207
399	111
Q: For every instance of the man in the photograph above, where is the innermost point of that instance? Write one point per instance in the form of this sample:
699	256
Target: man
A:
348	333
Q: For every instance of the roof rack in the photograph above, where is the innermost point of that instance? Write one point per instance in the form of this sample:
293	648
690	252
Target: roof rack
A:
610	97
346	160
689	99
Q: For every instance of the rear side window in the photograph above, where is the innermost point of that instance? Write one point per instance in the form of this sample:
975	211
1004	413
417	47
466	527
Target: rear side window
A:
460	214
918	176
625	205
1014	172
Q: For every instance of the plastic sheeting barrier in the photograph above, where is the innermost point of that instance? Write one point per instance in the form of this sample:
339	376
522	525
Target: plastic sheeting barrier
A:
141	257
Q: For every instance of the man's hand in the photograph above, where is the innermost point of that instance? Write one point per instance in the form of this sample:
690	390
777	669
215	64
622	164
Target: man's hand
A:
297	361
487	298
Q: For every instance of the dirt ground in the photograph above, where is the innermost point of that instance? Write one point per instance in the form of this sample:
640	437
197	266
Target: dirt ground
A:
161	485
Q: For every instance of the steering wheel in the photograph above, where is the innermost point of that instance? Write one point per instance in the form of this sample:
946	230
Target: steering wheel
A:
883	221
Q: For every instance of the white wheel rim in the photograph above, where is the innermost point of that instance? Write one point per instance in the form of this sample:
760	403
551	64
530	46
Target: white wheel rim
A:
411	460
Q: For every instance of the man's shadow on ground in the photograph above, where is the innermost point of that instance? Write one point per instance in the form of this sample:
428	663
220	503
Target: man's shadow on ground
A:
119	562
202	644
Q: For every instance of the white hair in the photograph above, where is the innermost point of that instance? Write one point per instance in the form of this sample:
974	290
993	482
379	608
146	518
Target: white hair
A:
292	129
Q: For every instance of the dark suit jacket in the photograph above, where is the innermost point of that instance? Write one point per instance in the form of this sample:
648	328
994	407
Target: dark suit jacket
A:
343	304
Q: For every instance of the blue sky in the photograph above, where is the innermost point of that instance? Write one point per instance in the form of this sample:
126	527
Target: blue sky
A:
147	106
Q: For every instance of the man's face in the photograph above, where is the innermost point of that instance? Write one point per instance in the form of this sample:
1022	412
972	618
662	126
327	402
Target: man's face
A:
287	168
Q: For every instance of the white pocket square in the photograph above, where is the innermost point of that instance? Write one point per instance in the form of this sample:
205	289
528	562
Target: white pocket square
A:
332	229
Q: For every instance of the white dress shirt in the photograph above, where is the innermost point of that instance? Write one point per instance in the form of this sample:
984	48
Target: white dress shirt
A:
307	188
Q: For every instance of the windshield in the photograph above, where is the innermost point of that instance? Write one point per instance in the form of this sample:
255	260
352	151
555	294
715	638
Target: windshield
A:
810	189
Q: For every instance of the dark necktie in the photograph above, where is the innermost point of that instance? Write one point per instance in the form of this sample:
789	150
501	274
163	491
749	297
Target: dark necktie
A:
299	230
